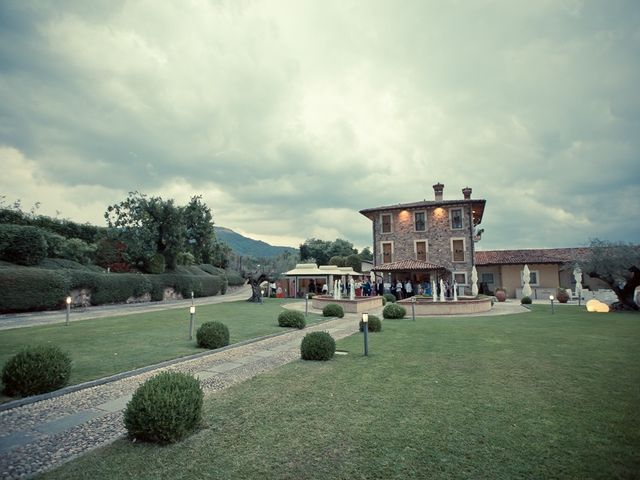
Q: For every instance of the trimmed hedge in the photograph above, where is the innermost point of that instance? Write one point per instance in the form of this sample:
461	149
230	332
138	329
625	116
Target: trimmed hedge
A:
235	279
333	310
22	245
526	301
394	310
292	318
212	335
35	370
317	346
165	408
389	297
374	323
201	286
26	289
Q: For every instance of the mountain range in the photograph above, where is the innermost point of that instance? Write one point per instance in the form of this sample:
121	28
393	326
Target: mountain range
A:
248	247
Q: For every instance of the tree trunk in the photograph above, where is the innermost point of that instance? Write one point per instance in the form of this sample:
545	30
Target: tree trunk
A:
626	300
256	294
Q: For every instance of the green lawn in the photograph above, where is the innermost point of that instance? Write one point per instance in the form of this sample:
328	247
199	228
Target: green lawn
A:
105	346
520	396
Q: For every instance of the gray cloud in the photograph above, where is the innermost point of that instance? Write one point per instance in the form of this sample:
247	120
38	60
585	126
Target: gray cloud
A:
291	116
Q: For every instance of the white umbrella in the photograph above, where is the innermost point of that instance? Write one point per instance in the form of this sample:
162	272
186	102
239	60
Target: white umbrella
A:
474	281
526	276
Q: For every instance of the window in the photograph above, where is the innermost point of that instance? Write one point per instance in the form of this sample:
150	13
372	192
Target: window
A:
386	223
533	278
456	218
420	221
460	278
420	247
487	278
457	249
387	252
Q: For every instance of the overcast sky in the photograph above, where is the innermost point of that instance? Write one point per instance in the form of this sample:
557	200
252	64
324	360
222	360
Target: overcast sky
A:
289	117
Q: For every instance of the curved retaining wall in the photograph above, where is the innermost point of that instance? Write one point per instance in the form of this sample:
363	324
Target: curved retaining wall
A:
359	305
463	306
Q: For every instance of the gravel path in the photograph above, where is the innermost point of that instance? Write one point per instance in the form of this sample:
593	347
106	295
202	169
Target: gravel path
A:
42	435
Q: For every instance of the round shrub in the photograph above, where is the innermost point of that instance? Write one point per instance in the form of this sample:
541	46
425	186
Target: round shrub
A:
291	318
333	310
165	408
384	301
317	346
375	324
526	301
394	310
389	297
212	335
36	369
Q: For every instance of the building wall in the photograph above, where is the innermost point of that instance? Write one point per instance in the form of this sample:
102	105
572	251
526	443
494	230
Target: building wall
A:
438	236
548	277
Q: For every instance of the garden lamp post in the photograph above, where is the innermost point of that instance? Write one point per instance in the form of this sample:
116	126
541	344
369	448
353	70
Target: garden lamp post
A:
413	308
551	299
306	304
365	321
68	310
192	312
191	297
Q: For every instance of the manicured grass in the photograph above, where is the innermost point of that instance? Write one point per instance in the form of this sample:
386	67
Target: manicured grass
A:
105	346
520	396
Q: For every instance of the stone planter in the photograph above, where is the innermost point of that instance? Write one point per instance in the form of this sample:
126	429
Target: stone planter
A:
562	296
501	295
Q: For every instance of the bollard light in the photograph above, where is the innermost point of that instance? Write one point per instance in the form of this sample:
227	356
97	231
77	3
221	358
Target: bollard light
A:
192	311
68	310
551	299
413	308
306	304
365	320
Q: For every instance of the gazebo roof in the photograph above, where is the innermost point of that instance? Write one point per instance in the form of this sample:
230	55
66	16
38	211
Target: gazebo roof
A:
305	269
403	265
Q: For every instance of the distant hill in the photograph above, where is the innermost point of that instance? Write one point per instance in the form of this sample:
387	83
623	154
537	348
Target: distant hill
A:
248	247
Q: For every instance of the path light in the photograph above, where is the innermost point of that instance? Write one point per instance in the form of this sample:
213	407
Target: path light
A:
551	299
365	321
192	312
413	308
68	310
306	304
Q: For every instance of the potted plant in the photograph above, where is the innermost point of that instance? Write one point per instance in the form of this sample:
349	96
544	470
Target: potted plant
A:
562	296
501	294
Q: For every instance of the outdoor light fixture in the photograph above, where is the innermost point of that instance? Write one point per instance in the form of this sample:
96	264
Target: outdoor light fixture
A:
306	304
413	308
192	311
365	321
551	299
68	310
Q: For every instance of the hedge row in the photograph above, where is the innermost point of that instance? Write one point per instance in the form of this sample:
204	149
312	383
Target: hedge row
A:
22	245
27	289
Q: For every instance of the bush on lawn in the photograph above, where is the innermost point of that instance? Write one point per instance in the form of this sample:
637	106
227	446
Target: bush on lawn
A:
165	409
394	310
22	245
27	289
525	301
212	335
375	324
317	346
292	319
389	297
35	370
333	310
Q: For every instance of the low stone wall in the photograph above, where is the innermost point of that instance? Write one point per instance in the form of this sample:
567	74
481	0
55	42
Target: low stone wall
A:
463	306
359	305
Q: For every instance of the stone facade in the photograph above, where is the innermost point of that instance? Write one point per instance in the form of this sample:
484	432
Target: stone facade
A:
449	224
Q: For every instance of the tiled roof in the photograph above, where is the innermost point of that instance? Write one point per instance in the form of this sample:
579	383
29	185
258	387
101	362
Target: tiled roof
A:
539	255
478	206
407	265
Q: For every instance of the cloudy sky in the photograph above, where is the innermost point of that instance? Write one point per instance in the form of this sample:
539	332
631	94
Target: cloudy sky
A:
290	116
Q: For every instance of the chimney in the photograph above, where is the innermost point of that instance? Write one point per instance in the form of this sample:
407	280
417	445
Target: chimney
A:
466	191
438	188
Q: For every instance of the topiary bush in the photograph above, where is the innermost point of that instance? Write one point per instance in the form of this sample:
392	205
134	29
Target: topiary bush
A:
292	318
526	301
394	310
333	310
375	324
165	409
35	370
318	346
389	297
212	335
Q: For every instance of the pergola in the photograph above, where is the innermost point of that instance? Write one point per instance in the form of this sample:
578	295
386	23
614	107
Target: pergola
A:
312	271
409	266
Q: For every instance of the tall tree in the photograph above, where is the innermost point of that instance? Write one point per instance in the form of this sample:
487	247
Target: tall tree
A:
199	237
617	265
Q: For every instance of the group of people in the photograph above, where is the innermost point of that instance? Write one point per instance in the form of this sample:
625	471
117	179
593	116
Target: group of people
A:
400	288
